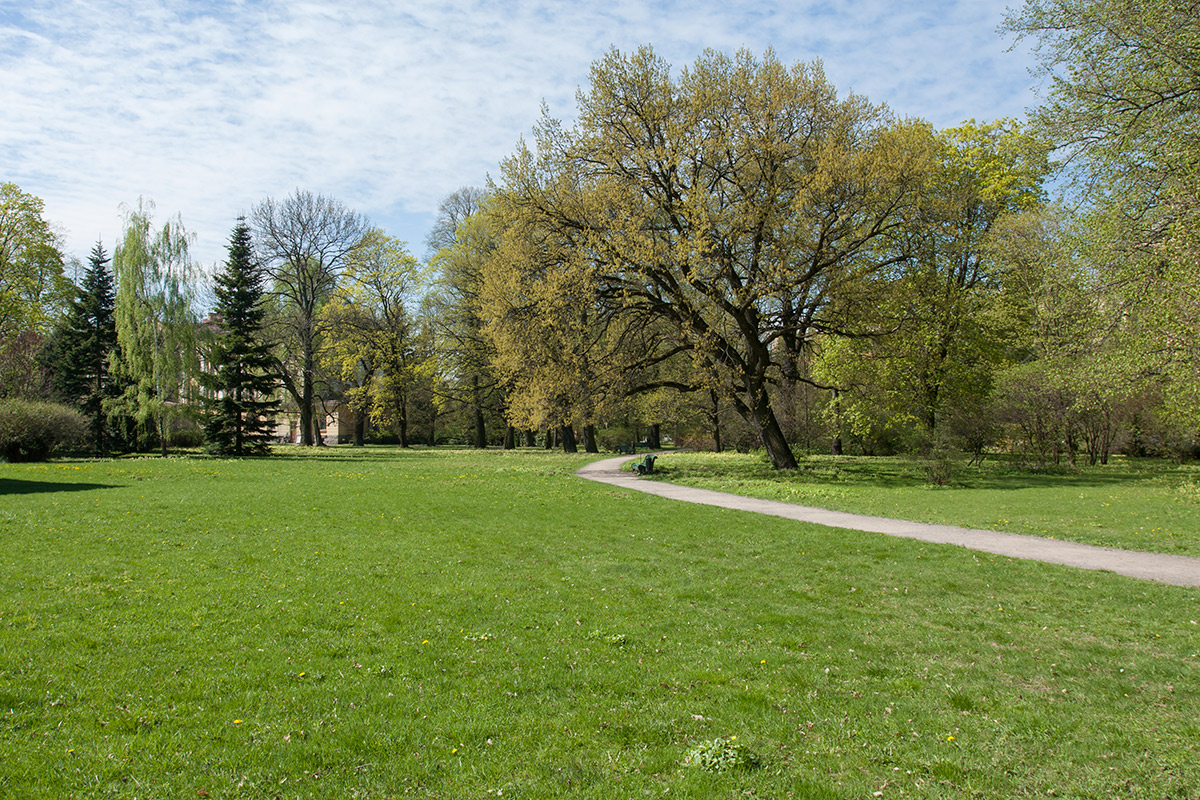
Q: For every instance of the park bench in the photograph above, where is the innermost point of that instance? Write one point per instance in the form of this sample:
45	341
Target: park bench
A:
632	447
644	465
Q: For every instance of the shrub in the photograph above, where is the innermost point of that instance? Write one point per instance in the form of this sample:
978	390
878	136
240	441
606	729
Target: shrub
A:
186	437
32	430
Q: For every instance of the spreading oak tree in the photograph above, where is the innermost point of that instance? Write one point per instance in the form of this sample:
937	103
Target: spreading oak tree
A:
739	205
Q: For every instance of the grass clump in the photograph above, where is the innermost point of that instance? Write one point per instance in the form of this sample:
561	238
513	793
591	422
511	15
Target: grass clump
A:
721	755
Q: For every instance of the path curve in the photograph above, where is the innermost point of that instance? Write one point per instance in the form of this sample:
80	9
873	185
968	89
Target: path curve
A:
1161	567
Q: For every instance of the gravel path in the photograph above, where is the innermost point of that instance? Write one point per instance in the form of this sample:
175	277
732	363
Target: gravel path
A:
1172	569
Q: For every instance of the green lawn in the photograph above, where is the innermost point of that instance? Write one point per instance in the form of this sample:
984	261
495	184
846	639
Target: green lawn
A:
379	623
1132	504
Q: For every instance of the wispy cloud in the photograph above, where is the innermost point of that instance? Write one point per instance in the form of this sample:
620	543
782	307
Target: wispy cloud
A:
207	107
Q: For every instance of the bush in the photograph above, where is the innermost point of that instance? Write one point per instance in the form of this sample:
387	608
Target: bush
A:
31	430
186	437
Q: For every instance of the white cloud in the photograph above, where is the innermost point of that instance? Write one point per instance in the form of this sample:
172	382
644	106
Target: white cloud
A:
207	107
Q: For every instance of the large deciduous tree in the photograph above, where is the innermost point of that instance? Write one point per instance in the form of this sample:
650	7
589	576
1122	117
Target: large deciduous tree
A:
1124	106
462	240
33	290
738	205
374	342
156	322
241	367
303	242
557	351
944	329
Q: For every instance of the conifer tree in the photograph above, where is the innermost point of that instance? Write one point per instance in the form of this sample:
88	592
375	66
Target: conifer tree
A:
242	380
79	352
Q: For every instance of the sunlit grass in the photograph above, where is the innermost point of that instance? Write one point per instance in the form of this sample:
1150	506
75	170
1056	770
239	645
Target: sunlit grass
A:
453	624
1132	504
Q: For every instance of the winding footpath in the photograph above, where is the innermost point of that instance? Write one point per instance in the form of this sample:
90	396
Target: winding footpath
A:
1161	567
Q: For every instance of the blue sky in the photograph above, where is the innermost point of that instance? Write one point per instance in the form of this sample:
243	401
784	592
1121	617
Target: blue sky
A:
206	108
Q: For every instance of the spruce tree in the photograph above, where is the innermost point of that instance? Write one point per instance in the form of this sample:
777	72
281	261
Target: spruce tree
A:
241	376
79	352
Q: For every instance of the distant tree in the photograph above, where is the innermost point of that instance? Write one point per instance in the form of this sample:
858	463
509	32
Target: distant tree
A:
463	240
373	341
303	241
78	354
33	289
156	324
22	373
242	368
454	210
944	331
1123	79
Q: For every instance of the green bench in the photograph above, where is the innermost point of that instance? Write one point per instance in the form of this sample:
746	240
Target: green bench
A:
644	465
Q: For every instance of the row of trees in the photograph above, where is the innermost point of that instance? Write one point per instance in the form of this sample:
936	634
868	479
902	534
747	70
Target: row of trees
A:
733	249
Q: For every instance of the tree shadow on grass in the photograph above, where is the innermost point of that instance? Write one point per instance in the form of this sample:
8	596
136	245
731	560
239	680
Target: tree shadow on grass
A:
16	486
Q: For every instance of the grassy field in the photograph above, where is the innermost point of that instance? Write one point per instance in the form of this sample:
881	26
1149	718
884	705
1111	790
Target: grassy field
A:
378	623
1146	504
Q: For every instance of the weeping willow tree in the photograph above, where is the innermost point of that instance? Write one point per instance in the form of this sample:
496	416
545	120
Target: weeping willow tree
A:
156	325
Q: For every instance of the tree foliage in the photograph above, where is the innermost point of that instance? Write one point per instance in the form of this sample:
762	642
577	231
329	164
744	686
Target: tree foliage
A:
80	352
465	238
1124	106
304	241
945	324
740	205
33	288
375	344
156	322
241	367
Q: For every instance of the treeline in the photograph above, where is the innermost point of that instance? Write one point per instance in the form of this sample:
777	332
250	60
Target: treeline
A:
733	254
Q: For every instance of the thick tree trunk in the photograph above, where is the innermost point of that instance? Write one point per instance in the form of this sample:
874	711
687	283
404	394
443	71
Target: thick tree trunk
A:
510	438
757	411
306	396
836	449
477	400
716	419
550	443
360	428
589	439
568	439
655	437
